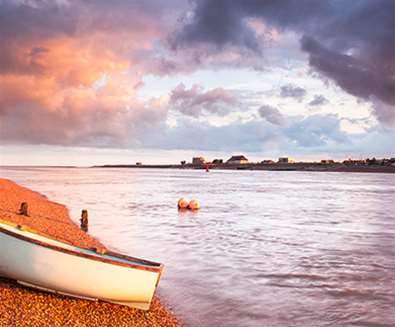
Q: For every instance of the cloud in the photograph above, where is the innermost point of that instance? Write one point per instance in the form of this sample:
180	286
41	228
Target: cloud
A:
354	75
272	115
222	23
70	71
317	135
351	44
317	131
195	101
52	57
385	112
211	22
318	100
83	118
196	135
292	91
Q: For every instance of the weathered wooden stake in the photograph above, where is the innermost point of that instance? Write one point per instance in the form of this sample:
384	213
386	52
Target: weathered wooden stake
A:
24	209
84	220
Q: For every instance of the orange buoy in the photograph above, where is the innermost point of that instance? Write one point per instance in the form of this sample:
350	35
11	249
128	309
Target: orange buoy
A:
182	203
194	205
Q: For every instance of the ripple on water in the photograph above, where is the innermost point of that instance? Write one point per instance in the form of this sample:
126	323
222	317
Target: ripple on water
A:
267	248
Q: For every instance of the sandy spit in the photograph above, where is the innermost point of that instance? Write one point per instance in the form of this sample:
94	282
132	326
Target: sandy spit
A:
20	306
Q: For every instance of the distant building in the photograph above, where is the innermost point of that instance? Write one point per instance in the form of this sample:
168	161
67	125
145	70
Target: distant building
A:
384	162
356	162
327	161
237	160
285	160
218	161
139	163
267	162
372	161
198	161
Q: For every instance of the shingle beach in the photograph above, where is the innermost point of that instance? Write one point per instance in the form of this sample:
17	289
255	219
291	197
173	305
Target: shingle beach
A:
20	306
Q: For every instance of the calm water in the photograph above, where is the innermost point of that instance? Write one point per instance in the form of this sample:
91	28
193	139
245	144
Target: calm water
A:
266	249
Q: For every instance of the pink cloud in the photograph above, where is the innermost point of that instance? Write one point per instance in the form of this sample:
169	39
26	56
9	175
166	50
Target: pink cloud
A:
47	74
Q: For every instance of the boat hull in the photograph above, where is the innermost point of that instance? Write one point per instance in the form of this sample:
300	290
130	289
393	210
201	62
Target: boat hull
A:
36	261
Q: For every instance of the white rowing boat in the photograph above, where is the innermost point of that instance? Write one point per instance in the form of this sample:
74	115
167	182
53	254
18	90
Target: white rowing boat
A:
38	261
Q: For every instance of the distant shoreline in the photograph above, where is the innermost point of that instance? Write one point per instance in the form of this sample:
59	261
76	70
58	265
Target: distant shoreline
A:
318	167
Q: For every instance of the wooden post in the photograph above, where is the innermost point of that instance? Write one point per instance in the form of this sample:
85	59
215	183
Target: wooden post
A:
84	220
24	209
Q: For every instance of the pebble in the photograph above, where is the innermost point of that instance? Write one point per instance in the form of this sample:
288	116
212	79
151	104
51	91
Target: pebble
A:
21	306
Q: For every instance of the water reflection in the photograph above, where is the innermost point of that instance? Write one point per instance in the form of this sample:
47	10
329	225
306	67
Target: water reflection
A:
267	248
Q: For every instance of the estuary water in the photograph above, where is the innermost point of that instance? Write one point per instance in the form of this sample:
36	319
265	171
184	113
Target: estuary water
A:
266	249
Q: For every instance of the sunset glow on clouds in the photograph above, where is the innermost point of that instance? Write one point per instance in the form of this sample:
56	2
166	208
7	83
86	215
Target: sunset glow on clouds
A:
268	78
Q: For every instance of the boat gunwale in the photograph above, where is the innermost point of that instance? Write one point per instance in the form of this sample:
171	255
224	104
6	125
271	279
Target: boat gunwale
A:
157	268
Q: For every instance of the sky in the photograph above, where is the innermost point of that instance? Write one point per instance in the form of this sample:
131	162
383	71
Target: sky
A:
94	81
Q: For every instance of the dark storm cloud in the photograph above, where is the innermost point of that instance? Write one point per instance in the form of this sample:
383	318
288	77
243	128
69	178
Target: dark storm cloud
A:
292	91
39	19
358	77
222	22
217	23
350	42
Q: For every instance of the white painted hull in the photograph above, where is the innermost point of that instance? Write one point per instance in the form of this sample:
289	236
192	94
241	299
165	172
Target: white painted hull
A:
41	262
